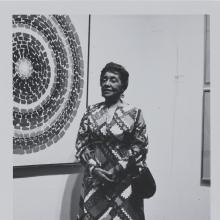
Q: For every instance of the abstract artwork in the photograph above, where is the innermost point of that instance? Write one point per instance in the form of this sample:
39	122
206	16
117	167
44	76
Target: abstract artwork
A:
48	80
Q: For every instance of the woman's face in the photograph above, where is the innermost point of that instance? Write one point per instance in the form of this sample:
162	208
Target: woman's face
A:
111	85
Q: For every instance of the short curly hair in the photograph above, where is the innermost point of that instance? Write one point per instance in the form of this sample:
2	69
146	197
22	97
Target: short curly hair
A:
117	69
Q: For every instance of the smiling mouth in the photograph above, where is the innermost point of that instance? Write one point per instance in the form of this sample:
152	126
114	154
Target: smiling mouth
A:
107	90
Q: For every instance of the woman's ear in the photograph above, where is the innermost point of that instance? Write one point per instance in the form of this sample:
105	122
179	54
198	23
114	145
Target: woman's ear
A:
122	89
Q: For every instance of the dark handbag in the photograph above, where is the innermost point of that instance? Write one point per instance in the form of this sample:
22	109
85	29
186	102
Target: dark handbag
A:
144	185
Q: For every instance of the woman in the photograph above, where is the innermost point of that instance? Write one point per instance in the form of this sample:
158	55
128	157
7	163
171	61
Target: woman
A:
112	146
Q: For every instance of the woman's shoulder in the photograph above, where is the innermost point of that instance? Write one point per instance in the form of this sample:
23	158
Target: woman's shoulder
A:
129	107
131	110
135	112
94	107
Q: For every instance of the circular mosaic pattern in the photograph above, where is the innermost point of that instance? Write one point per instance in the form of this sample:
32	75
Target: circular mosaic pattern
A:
30	68
47	80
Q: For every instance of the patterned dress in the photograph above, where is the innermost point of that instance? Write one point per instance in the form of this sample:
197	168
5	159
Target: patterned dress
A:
122	142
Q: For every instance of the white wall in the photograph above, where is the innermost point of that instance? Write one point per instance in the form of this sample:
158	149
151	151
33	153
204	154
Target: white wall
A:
164	56
46	197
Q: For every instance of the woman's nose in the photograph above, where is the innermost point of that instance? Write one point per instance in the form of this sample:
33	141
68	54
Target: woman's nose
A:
107	82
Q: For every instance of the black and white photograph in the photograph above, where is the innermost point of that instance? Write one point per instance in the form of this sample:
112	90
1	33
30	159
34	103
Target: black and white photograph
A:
147	107
110	114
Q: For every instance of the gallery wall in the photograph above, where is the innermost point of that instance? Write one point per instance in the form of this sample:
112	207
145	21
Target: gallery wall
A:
165	58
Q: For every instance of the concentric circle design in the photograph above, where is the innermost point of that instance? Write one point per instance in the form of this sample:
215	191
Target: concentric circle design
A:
30	68
47	80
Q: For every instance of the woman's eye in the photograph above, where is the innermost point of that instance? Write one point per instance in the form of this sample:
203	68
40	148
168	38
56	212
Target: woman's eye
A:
114	80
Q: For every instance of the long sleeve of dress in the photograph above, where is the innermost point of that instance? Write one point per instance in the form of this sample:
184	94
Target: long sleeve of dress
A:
138	144
84	152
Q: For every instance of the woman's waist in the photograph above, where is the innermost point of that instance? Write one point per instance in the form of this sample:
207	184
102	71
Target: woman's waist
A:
110	150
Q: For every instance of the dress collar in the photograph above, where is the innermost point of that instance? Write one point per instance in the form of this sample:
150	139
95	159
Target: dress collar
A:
119	103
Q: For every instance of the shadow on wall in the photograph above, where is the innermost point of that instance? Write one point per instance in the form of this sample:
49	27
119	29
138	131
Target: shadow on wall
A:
70	201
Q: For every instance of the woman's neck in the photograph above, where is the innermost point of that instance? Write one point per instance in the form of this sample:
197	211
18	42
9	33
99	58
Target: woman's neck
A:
110	102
